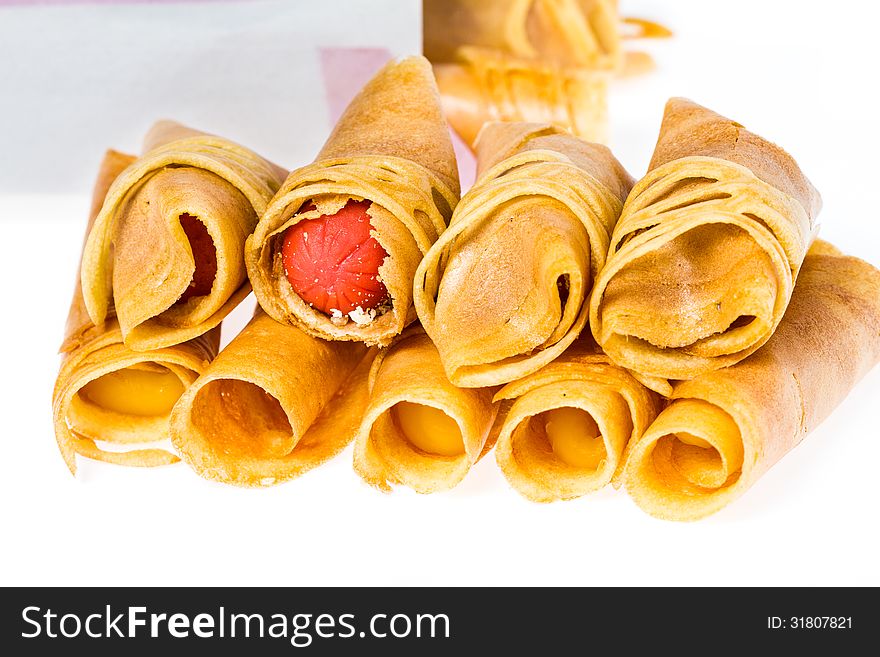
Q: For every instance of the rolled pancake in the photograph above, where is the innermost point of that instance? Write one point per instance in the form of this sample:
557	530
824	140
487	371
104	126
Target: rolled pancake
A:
704	258
111	403
274	404
724	429
570	33
567	429
391	147
505	289
139	259
419	430
489	85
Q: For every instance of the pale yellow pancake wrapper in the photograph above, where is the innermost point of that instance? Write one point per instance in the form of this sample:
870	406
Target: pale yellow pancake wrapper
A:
726	428
539	216
137	258
409	372
618	408
115	435
274	404
392	147
705	256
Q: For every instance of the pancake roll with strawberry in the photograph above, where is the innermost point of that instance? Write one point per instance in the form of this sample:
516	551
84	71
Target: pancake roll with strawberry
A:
337	247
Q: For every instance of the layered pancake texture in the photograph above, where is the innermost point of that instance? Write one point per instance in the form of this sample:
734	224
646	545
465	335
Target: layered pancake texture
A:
724	429
164	253
505	289
709	245
567	426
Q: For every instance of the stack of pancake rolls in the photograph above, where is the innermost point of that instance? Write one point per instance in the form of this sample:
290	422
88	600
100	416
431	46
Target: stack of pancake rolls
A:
674	336
161	267
180	235
720	331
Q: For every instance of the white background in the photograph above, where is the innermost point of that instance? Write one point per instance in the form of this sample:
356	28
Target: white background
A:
802	74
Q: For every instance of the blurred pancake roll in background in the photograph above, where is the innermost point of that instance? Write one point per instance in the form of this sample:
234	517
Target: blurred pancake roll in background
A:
490	85
542	61
274	404
506	288
111	403
165	252
724	429
704	258
566	427
419	430
582	33
336	250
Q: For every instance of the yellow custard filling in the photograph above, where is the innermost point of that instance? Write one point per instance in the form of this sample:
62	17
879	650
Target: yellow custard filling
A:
574	437
689	439
135	391
429	429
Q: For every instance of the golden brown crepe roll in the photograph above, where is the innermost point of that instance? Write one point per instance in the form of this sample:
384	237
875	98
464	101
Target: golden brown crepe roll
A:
165	250
568	426
704	258
489	85
505	289
274	404
582	33
725	428
111	403
336	249
419	430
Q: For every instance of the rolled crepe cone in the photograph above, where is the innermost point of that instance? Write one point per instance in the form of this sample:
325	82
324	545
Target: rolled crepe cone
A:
489	85
704	258
570	33
111	403
505	289
274	404
139	261
724	429
565	434
391	147
418	429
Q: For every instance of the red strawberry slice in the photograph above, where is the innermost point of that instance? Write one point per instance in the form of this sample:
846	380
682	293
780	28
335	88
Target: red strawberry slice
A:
333	263
204	255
